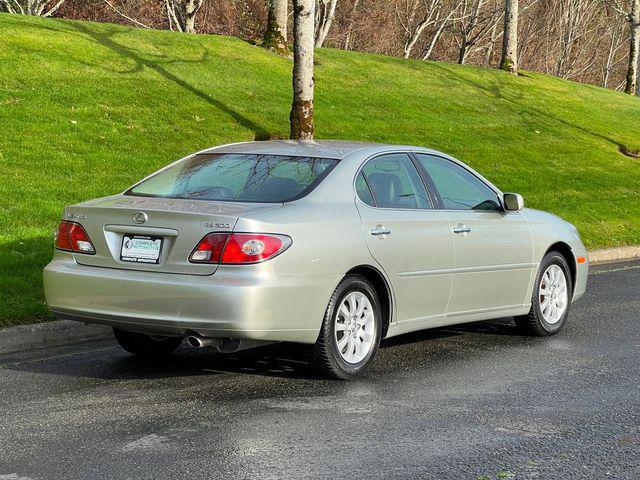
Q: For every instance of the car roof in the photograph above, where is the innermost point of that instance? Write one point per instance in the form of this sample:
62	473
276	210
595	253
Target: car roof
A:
337	149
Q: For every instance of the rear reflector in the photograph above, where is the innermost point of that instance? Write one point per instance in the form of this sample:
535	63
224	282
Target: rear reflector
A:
238	248
72	237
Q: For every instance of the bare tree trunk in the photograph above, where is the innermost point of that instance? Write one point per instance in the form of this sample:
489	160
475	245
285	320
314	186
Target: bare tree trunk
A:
352	23
413	38
40	8
434	39
491	46
325	13
476	24
462	54
275	36
617	41
302	107
631	86
509	61
182	14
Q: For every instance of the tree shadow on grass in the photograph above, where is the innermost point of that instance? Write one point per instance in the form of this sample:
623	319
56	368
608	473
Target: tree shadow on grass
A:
106	41
498	93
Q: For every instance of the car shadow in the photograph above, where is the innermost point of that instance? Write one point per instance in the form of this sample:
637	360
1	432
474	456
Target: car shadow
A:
106	361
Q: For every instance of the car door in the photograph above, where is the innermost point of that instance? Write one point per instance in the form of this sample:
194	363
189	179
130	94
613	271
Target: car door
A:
407	237
493	248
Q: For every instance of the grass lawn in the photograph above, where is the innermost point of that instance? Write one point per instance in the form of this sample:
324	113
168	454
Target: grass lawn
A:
86	109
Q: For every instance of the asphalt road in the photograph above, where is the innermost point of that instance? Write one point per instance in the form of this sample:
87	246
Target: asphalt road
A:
477	401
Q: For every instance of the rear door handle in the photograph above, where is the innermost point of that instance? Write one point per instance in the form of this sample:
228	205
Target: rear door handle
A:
380	230
461	228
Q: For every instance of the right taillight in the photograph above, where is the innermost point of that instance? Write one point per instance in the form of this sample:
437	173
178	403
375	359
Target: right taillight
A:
73	237
238	248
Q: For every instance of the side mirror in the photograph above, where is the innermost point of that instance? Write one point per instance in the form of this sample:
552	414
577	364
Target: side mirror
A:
513	202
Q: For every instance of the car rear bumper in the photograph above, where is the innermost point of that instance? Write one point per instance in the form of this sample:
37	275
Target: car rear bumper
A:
247	302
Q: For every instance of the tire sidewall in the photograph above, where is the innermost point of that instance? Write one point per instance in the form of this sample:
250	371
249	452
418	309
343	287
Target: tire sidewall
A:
552	258
349	285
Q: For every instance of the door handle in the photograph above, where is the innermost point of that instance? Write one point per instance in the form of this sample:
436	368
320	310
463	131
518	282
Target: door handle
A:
380	230
461	228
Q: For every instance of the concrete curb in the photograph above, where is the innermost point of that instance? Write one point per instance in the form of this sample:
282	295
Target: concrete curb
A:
66	332
618	254
49	334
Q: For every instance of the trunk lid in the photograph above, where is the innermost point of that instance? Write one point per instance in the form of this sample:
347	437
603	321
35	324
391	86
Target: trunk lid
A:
167	228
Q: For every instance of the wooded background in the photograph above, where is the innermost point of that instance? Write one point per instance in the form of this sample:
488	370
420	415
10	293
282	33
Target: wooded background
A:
582	40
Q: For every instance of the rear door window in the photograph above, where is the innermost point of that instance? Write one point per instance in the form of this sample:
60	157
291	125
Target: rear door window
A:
395	183
237	177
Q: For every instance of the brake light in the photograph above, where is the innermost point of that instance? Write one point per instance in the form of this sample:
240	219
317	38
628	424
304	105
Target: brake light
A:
252	248
73	237
238	248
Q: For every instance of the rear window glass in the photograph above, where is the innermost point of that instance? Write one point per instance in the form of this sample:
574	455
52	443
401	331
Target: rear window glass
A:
237	177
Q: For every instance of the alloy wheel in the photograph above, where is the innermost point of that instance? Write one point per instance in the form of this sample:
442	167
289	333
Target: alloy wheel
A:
553	294
355	327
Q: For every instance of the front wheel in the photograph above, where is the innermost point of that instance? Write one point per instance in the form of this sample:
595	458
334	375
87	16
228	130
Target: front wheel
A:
552	294
143	345
351	329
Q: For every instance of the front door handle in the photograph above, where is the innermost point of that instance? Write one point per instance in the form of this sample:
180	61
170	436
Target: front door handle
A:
380	230
461	228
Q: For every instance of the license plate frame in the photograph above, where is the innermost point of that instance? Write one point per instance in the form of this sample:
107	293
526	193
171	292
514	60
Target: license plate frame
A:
144	249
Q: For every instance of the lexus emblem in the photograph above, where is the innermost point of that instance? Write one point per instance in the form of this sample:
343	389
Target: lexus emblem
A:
140	217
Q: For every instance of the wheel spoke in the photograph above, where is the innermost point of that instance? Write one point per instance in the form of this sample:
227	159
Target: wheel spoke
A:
354	349
341	327
343	341
352	303
544	305
358	349
366	337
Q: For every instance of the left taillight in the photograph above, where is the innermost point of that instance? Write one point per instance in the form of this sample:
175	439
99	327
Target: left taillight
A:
238	248
73	237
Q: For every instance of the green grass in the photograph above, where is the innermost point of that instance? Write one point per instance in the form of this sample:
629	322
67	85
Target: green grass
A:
86	109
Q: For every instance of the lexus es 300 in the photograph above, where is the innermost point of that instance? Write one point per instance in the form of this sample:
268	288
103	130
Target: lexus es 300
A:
332	244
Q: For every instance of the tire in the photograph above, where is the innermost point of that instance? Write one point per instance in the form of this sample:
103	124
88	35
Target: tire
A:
346	345
146	345
542	320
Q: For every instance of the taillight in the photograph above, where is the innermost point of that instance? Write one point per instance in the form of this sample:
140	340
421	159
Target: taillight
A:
73	237
253	248
238	248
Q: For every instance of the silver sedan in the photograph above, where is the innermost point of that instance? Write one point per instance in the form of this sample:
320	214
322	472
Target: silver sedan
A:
332	244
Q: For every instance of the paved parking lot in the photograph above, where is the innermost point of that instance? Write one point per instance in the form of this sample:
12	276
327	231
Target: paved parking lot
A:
475	401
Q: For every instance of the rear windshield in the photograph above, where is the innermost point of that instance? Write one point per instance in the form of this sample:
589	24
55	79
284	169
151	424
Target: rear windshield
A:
237	177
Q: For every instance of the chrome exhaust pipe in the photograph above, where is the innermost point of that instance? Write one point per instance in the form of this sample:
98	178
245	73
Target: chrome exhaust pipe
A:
197	341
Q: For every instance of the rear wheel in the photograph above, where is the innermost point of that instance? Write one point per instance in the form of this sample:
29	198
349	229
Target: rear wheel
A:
146	345
351	330
552	294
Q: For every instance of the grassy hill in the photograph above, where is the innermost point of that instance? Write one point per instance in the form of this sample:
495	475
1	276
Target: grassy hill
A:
86	109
